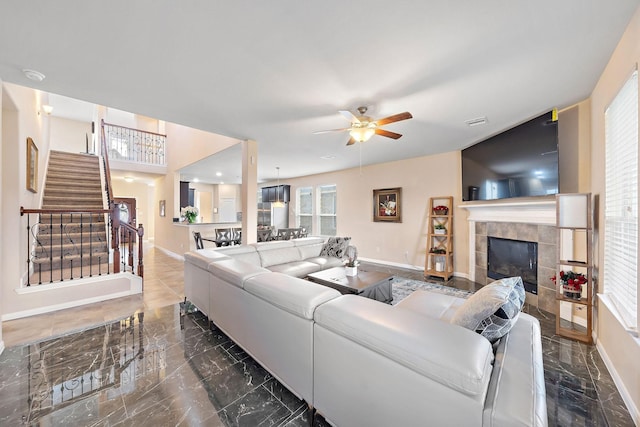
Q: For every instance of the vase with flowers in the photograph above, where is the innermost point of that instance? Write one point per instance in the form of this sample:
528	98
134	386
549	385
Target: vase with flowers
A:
190	213
351	268
571	283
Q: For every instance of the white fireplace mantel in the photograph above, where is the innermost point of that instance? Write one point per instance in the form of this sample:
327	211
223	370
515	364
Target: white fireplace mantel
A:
526	211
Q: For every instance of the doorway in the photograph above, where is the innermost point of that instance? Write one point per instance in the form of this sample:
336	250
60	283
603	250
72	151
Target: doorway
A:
127	214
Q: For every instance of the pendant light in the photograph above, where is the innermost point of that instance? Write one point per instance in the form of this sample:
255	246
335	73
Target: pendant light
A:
278	203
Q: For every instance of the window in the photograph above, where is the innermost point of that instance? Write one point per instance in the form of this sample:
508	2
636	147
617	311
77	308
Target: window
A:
621	202
304	208
327	220
317	214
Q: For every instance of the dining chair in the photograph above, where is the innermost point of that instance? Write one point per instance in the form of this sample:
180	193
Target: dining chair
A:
236	235
198	238
223	237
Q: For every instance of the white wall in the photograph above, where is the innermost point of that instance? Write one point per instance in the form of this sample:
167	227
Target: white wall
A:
20	120
619	348
1	214
397	243
69	135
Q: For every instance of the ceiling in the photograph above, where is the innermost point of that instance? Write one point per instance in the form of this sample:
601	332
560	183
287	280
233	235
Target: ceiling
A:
275	72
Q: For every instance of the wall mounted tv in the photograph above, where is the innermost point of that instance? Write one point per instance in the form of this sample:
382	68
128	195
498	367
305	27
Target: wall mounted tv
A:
520	162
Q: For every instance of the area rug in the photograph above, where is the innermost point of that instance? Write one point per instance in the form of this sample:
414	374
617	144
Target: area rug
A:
402	288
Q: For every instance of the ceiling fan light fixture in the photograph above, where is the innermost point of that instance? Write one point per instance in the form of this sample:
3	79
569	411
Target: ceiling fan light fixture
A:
364	133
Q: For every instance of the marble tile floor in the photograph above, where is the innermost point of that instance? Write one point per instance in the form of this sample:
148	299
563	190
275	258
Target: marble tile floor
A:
144	361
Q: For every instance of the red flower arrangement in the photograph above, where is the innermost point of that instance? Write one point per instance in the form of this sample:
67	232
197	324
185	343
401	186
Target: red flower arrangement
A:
441	210
571	283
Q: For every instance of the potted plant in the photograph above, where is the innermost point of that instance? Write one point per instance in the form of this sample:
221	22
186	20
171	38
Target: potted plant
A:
190	213
439	229
351	268
571	283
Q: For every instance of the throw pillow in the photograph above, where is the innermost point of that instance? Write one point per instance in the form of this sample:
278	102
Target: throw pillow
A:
335	247
493	310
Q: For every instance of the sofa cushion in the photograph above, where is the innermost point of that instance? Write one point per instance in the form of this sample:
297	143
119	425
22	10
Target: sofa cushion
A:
335	247
203	257
431	304
493	310
325	262
234	271
295	268
297	296
274	253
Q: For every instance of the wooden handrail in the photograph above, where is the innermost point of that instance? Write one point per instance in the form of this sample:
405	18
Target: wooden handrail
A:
135	130
62	211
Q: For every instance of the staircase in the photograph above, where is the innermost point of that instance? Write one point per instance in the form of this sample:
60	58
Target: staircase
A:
71	242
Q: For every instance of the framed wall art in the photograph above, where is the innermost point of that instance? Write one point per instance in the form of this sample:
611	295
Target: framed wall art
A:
387	205
32	166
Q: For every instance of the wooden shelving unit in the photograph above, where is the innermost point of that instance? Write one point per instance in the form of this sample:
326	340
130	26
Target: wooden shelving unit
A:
574	219
439	248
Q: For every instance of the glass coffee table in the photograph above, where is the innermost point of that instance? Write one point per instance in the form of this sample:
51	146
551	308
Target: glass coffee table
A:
369	284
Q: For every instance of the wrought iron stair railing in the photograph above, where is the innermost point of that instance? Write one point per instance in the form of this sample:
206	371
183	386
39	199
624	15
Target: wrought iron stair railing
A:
66	245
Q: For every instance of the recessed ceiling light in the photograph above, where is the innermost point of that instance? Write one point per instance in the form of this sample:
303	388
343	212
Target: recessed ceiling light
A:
221	182
34	75
218	173
477	121
196	180
328	157
128	179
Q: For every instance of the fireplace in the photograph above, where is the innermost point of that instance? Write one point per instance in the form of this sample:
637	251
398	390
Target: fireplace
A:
507	258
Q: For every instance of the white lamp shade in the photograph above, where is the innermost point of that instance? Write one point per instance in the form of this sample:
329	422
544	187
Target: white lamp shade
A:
573	210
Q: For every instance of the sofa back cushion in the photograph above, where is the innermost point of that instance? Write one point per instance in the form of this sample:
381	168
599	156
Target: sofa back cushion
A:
235	272
279	252
245	253
297	296
309	246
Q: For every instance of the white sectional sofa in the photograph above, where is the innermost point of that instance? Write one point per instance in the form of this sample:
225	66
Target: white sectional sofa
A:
362	362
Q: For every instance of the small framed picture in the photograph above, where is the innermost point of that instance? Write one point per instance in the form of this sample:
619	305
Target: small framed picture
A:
163	206
386	205
32	166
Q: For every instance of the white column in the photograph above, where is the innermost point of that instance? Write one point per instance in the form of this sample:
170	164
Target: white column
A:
249	191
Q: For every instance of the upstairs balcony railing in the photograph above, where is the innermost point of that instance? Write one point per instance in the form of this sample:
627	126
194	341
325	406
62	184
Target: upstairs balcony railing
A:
66	245
134	145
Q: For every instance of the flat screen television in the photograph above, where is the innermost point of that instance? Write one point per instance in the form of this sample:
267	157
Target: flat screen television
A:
520	162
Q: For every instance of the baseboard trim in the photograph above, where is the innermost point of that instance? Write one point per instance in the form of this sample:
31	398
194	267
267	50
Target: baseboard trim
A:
135	288
171	254
406	266
624	393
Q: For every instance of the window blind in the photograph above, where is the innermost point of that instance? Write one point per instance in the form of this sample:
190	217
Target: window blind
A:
621	201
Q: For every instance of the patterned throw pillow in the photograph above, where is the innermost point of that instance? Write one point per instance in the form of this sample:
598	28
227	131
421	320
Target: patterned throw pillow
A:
335	247
493	310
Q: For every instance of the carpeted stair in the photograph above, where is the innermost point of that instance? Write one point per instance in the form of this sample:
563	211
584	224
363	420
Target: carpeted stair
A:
73	183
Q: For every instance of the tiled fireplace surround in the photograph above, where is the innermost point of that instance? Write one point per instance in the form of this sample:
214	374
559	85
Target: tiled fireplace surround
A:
527	220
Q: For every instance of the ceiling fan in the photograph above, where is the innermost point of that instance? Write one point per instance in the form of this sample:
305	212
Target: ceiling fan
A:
364	127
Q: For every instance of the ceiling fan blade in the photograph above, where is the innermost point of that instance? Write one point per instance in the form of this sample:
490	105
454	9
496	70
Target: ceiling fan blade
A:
330	130
395	118
388	134
351	141
349	116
